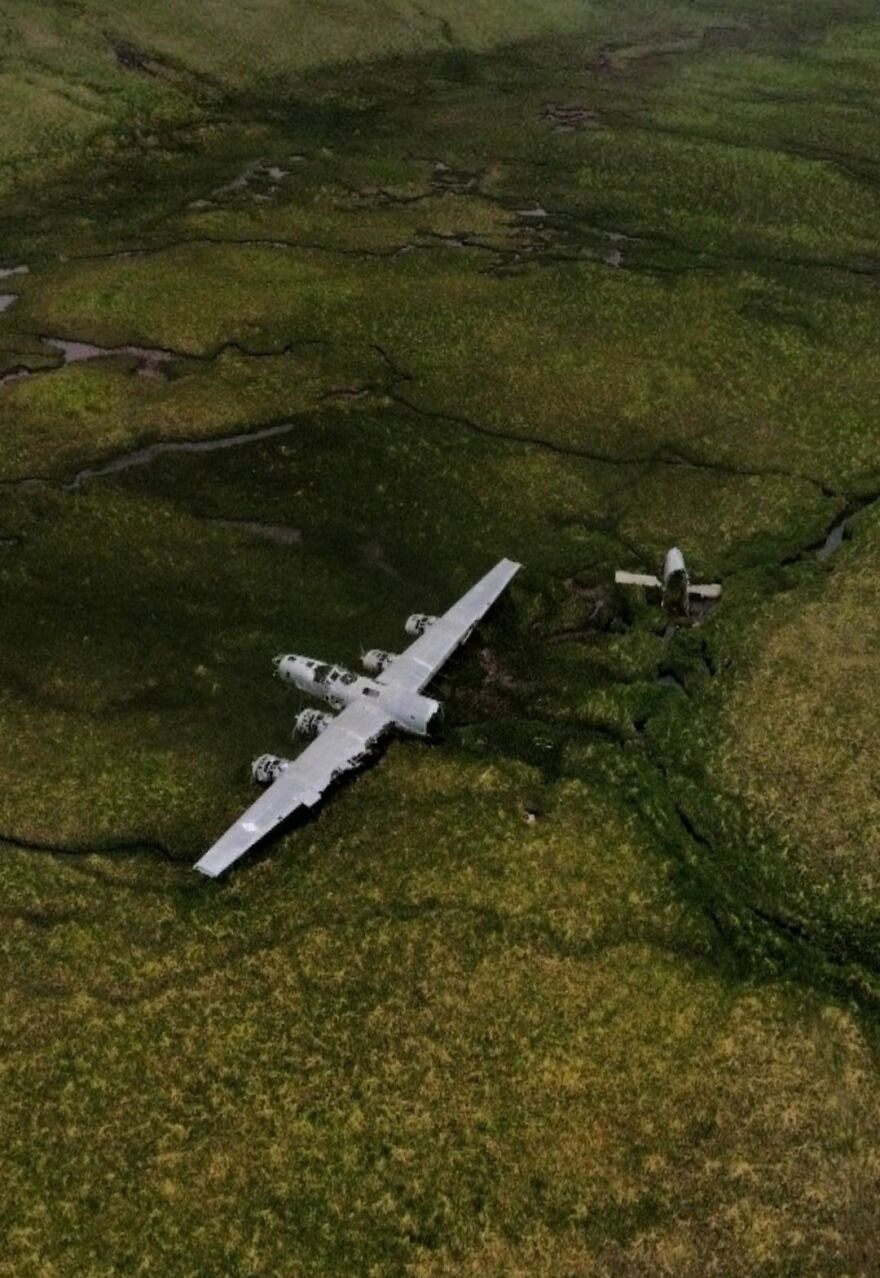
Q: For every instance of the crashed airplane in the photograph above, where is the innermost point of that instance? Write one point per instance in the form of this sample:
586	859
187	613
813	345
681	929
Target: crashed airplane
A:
367	709
676	586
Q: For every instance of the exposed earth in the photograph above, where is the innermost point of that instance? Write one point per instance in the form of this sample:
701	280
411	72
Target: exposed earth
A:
309	314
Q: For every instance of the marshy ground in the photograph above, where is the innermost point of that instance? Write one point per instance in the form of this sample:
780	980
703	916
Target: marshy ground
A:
293	345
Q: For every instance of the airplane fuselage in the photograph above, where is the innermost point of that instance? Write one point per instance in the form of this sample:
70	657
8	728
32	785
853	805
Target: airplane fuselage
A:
388	695
676	582
410	711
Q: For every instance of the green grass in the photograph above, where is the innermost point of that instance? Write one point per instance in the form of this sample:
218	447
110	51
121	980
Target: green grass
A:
759	366
801	681
590	985
463	1056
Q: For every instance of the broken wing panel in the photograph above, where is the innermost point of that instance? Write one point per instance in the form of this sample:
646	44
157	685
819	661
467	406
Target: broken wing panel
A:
340	747
420	662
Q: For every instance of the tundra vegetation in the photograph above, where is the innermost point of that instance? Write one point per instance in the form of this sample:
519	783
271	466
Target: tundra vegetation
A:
326	308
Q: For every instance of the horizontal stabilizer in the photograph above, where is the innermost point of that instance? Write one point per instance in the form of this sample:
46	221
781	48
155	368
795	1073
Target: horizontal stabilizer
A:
637	579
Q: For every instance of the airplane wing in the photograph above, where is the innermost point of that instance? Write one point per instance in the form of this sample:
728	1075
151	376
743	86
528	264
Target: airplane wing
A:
342	746
418	664
637	579
705	592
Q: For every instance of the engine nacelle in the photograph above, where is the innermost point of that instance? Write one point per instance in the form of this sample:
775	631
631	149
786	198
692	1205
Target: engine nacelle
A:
375	661
311	723
418	623
268	768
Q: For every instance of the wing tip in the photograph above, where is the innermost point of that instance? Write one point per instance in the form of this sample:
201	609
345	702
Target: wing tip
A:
207	870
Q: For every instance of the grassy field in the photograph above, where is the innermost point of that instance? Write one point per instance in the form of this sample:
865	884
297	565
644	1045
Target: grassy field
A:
589	987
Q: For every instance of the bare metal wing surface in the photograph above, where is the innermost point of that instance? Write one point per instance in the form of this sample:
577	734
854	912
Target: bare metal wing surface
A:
344	745
417	665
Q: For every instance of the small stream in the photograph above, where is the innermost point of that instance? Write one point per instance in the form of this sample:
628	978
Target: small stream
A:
143	456
834	540
281	534
16	375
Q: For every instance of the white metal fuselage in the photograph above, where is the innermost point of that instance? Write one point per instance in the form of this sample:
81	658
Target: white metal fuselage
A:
411	711
675	582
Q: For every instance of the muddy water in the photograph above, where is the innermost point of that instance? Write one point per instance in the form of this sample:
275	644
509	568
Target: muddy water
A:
77	352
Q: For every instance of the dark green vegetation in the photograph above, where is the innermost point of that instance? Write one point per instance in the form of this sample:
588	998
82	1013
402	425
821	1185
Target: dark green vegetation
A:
591	987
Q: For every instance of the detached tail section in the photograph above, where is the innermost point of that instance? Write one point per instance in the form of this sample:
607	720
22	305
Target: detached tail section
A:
676	585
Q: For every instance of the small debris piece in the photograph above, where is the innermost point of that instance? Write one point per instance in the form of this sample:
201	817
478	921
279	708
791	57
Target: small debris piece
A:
566	117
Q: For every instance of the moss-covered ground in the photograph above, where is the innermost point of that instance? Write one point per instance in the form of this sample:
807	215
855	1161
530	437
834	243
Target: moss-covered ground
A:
372	296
